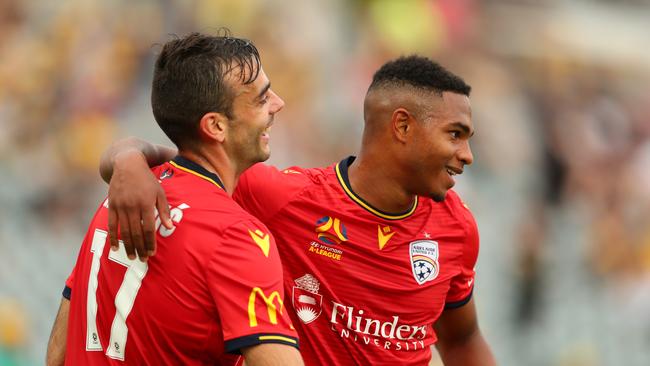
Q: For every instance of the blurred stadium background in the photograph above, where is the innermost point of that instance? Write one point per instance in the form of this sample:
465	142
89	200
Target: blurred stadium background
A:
560	186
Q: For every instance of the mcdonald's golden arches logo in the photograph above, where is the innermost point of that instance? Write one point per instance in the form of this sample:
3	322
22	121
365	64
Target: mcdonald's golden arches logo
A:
269	302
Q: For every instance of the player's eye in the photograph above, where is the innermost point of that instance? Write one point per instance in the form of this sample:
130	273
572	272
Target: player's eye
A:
264	99
455	134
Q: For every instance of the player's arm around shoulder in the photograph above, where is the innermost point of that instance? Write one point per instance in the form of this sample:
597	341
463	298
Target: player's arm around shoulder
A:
263	190
460	341
134	192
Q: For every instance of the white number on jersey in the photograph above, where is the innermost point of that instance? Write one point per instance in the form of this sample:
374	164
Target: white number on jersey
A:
123	300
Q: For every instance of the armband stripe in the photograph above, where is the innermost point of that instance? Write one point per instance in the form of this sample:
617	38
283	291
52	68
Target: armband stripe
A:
457	304
278	338
67	292
234	345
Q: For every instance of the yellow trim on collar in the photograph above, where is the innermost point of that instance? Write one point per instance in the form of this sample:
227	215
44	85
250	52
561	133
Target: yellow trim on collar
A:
361	203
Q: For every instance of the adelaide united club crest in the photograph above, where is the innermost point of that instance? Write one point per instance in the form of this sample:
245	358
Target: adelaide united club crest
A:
307	302
424	260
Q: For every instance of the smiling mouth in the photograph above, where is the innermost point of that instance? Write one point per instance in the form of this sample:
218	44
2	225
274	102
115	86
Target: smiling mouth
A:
454	171
268	128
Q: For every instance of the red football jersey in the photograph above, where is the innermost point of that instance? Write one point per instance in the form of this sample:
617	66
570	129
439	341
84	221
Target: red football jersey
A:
213	287
366	286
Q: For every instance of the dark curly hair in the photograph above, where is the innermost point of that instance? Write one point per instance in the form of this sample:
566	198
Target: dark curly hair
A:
419	72
189	80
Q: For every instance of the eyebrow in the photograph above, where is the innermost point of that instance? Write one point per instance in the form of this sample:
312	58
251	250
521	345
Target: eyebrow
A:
463	127
264	90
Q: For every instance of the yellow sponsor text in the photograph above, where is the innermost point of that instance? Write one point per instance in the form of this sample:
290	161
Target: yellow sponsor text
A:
331	253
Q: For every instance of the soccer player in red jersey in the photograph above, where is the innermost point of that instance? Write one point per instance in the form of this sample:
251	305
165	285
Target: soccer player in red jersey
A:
378	252
214	289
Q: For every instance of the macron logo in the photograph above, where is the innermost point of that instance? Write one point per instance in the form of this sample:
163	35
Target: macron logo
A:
383	235
262	240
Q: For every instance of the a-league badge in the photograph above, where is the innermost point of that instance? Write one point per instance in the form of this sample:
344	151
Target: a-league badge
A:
424	260
307	302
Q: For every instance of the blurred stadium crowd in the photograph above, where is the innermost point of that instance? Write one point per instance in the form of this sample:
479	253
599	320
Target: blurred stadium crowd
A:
560	186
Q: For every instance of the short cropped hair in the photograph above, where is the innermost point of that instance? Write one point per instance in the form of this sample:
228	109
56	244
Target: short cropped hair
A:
421	73
189	81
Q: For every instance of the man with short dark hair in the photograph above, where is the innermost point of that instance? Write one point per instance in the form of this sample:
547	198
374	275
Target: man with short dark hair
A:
378	251
214	288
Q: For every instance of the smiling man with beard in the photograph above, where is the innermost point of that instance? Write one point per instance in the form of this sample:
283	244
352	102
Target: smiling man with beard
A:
378	252
197	302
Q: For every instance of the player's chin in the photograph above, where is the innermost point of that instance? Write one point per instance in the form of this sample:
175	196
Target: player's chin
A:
438	191
439	195
264	154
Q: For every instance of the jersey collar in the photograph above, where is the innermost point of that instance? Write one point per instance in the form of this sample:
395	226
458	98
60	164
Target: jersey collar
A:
341	169
191	167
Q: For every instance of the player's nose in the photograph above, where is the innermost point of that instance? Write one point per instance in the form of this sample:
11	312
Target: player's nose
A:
465	154
277	102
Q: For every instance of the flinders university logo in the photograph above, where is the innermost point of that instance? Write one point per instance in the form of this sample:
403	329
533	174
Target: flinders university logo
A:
424	260
306	300
331	230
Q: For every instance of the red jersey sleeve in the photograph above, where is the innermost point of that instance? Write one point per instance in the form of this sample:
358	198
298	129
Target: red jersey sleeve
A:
462	285
263	190
244	276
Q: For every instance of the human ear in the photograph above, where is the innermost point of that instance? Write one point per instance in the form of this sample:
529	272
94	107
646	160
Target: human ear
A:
214	126
401	123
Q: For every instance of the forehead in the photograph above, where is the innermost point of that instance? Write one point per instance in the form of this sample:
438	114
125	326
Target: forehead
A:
450	108
239	88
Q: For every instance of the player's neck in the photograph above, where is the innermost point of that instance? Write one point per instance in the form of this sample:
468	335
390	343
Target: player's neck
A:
373	180
217	164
